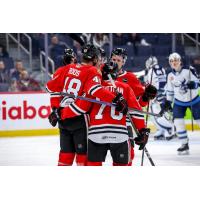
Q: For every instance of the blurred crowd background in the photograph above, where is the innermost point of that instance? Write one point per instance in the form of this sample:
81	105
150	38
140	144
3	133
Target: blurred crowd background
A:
22	56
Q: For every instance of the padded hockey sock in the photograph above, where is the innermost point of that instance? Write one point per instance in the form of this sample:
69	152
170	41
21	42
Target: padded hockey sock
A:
66	159
181	131
81	159
120	164
89	163
132	155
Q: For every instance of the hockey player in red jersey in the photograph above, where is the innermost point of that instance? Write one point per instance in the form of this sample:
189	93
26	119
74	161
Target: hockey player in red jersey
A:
76	79
107	129
143	93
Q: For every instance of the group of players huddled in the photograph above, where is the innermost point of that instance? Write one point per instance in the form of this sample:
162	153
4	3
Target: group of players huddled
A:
89	129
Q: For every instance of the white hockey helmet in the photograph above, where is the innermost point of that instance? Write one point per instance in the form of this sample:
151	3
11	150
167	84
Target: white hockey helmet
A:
174	56
151	61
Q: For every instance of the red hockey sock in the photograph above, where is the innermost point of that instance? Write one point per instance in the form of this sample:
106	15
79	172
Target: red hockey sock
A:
130	163
132	155
81	159
66	159
119	164
89	163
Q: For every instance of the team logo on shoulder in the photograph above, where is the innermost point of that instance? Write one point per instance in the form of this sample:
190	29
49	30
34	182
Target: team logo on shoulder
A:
96	79
125	80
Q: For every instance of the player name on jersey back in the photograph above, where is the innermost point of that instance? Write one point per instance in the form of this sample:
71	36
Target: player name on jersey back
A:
112	89
74	71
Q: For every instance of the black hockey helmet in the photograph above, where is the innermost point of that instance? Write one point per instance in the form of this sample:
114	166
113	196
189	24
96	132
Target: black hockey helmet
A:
90	52
68	55
119	52
110	68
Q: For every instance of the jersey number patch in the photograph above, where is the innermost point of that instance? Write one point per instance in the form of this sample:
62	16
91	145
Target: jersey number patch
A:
99	115
74	86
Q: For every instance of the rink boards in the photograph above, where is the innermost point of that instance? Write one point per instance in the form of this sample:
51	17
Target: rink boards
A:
26	114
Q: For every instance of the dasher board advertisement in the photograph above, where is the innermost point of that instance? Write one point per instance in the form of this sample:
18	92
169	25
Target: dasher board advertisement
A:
24	111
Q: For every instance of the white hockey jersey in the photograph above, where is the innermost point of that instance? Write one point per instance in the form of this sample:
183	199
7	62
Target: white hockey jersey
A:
157	77
177	88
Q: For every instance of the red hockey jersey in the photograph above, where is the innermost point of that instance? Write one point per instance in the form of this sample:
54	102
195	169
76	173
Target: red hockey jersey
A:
107	125
76	79
130	79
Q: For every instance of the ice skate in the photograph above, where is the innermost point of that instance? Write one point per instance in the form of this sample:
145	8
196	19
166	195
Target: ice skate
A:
170	137
183	150
170	134
159	137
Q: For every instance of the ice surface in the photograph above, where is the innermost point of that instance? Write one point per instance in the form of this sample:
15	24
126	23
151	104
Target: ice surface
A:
43	150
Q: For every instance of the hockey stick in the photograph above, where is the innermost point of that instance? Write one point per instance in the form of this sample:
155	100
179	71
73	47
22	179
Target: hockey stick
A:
133	125
102	102
147	116
190	101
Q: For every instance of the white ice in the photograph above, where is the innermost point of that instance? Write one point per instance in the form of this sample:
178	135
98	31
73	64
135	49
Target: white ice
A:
43	151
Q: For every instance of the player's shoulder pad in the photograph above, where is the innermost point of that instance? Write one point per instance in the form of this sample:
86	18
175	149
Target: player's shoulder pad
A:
131	74
59	71
94	70
64	67
122	84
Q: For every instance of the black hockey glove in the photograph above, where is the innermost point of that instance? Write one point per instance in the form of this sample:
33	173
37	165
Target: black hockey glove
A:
110	68
166	106
192	85
54	117
142	139
120	103
149	93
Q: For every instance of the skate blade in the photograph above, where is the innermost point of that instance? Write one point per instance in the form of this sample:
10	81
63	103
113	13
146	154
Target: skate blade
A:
171	137
160	138
183	153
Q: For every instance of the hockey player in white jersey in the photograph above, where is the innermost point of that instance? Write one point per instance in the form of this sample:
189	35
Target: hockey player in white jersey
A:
156	76
182	89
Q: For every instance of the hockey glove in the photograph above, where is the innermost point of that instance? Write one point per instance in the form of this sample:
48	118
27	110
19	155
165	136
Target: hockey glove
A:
142	139
192	85
120	103
54	117
110	68
166	107
149	93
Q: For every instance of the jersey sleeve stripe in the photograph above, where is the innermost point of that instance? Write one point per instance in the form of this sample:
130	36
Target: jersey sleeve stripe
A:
94	88
170	91
48	90
55	95
76	109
